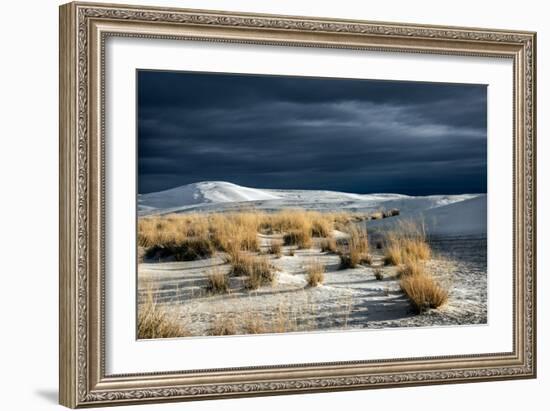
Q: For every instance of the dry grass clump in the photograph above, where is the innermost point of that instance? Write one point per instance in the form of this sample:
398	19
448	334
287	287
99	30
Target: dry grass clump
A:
315	274
276	248
411	267
356	250
393	254
172	229
223	325
423	291
154	322
407	242
321	225
377	215
390	213
419	285
367	259
254	324
192	248
190	236
283	321
217	282
287	220
329	245
343	219
297	237
241	263
314	223
358	239
259	271
350	260
188	249
234	231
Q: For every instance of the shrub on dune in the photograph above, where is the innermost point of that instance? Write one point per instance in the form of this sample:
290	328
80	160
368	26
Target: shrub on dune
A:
300	238
254	324
193	249
230	232
315	274
329	245
223	325
322	225
356	249
351	259
411	267
276	248
260	272
407	242
188	249
241	263
154	322
423	291
366	259
393	254
217	282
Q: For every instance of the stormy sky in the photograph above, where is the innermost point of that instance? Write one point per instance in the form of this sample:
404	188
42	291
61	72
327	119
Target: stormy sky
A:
361	136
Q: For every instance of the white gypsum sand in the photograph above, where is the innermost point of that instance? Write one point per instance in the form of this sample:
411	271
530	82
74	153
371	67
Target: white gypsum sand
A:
350	298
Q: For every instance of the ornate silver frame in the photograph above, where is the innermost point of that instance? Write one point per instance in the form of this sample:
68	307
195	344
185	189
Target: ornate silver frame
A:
83	30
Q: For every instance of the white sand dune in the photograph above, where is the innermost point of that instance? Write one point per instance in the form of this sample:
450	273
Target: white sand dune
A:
463	218
201	193
224	196
348	299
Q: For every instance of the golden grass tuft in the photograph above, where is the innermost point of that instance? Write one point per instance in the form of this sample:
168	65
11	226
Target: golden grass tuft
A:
283	321
188	236
241	263
260	272
217	282
350	259
321	225
366	259
193	248
356	248
393	254
276	248
411	267
298	237
315	274
154	322
407	242
254	324
423	291
329	245
235	231
223	325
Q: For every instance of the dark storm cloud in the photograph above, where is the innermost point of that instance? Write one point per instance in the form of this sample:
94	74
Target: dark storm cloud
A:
295	132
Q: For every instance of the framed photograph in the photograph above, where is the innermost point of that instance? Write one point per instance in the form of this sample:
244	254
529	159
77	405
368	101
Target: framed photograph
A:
261	205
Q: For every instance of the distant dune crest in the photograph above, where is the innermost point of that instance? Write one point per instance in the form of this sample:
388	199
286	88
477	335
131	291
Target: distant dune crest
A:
443	214
205	192
220	192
